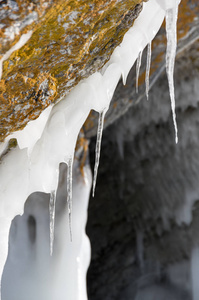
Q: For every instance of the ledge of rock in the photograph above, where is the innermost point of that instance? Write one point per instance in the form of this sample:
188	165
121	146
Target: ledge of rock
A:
69	40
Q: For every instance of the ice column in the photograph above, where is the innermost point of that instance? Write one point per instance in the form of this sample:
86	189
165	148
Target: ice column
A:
171	22
171	8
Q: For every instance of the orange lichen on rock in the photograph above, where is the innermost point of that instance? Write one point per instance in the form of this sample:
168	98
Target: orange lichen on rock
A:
15	18
89	121
188	12
71	41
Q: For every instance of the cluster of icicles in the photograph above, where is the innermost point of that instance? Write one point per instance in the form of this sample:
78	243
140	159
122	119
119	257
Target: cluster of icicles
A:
52	137
171	23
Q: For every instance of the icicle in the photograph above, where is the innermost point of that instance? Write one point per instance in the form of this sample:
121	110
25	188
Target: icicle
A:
52	219
148	65
98	147
171	20
69	192
138	65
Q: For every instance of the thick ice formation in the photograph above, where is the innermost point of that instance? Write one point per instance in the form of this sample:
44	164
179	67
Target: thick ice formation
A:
30	272
69	191
55	132
52	218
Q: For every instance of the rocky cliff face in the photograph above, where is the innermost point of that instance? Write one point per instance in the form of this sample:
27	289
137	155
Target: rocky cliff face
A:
67	41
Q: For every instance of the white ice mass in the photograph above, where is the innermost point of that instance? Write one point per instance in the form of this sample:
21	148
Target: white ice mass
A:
69	191
54	138
52	203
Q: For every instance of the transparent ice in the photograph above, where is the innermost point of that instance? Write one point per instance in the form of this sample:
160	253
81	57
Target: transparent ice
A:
148	65
98	147
138	65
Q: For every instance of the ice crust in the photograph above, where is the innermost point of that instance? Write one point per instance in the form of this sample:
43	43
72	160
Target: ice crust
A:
51	139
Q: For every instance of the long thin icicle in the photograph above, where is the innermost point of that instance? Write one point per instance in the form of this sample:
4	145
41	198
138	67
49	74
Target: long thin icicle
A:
148	66
69	192
171	22
138	65
52	219
98	147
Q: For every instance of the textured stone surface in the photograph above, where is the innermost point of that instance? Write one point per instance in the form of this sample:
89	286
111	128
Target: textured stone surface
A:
16	16
70	41
51	63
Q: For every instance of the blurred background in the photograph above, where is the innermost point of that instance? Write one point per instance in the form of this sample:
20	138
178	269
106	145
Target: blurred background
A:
143	222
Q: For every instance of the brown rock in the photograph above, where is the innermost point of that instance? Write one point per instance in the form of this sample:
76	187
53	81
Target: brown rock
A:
70	41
